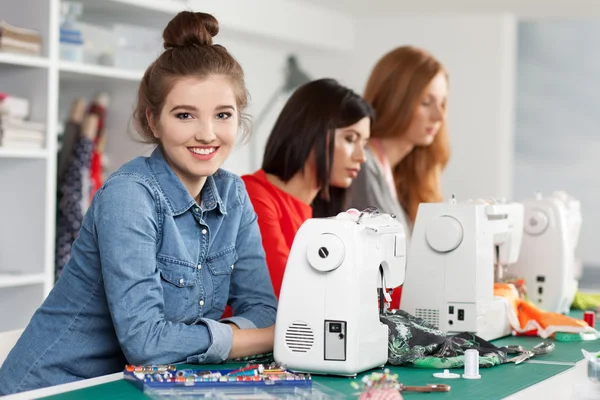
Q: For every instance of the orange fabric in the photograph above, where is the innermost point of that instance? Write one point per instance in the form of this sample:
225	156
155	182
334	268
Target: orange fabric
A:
527	319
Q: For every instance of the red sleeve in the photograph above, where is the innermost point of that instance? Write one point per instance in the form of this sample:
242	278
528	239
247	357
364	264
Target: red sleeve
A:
396	296
274	243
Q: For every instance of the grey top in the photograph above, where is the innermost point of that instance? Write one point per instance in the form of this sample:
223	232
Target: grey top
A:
370	189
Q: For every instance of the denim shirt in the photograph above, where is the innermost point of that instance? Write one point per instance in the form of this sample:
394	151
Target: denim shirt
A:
148	279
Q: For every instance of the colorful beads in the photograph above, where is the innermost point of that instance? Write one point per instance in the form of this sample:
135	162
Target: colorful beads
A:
168	374
379	386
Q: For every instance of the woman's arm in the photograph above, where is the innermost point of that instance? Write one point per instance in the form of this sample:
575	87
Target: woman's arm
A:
248	342
126	222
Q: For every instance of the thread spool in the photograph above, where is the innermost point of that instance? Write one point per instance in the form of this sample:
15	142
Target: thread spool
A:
471	364
590	318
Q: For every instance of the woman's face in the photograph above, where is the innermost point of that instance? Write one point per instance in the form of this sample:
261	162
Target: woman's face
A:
349	152
430	113
198	126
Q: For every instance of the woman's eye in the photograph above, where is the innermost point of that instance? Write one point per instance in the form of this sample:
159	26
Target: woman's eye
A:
223	115
184	116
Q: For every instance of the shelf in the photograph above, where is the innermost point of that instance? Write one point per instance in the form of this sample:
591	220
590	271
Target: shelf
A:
290	21
77	71
150	13
13	280
24	60
7	152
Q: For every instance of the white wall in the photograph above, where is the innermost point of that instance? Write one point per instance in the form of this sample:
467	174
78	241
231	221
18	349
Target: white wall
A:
479	54
264	64
557	143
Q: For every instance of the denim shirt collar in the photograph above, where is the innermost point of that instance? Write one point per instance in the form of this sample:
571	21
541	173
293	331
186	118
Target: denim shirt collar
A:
175	192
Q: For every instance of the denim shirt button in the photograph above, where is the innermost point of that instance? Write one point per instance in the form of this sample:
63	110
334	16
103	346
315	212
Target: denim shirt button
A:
201	302
196	209
199	267
181	281
204	231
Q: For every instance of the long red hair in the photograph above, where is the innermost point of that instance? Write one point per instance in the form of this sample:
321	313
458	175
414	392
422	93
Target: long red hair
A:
394	89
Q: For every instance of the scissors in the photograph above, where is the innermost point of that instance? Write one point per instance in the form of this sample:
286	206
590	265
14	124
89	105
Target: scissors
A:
544	347
430	387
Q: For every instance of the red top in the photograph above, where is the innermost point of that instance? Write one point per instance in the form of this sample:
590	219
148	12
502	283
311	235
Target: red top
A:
279	218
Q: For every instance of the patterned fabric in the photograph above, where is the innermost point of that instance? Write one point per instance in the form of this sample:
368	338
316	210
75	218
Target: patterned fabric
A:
266	358
415	342
72	190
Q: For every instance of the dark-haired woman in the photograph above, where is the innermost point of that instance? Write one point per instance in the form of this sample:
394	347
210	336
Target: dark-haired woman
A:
169	240
313	153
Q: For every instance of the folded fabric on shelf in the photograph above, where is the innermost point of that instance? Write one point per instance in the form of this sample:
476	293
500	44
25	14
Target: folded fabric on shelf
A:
19	40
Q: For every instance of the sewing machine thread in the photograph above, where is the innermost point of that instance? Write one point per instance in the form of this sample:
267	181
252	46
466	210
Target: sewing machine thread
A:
471	364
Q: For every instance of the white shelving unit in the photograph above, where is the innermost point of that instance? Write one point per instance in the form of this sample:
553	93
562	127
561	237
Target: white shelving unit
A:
24	60
28	177
73	70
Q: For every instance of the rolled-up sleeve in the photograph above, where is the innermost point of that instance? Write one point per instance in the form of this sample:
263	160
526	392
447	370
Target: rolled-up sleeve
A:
221	339
127	224
251	295
240	322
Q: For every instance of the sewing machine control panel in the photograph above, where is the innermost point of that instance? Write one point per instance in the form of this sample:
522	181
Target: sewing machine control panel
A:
335	340
461	317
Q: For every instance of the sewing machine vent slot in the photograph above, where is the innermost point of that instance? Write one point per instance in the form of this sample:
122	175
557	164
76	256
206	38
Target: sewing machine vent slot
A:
429	315
299	337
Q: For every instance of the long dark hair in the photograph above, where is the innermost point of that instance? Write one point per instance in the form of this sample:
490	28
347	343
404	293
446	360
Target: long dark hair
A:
308	121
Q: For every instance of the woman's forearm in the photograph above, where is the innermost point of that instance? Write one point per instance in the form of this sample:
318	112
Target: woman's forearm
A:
248	342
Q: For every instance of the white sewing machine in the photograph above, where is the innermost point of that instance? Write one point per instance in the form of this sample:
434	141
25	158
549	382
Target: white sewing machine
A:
455	248
547	260
328	313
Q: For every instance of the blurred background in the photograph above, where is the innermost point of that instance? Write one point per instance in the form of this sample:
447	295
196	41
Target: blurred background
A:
523	90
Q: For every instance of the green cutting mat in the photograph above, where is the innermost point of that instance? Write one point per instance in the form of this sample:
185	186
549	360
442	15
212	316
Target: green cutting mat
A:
495	383
569	352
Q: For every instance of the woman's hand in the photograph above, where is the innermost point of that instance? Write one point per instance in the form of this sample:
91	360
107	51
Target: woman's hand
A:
248	342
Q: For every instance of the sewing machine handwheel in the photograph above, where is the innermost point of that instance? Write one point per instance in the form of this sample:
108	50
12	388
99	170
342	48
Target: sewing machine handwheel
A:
444	234
536	222
325	252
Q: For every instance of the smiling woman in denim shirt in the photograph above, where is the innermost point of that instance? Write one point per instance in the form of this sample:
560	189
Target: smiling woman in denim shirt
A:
168	241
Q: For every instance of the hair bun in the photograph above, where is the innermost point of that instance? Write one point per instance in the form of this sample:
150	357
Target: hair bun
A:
190	29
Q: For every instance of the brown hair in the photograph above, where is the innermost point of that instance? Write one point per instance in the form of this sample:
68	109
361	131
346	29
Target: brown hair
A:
189	51
394	89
